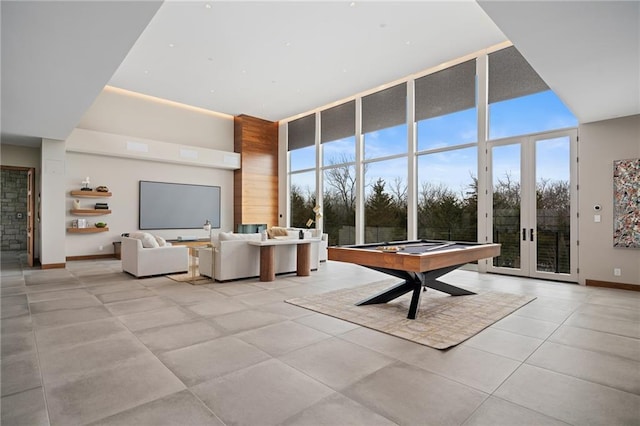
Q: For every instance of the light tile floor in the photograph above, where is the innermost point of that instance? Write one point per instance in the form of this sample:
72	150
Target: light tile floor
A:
91	345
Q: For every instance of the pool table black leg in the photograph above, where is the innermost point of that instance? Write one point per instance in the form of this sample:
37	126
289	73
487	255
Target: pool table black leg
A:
430	279
415	283
389	294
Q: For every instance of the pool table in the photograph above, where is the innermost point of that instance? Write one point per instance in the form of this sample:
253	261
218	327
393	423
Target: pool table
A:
419	263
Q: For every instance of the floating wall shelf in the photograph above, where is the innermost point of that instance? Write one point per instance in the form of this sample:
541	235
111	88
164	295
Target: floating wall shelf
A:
90	194
90	212
87	230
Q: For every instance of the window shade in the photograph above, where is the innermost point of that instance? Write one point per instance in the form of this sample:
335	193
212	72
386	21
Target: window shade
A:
302	132
511	76
450	90
338	122
383	109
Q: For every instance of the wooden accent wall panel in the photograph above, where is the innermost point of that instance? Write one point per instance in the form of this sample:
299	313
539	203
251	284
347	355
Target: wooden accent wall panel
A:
256	182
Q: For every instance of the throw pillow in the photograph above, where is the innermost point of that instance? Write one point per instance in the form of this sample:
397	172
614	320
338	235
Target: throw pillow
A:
161	241
148	240
277	231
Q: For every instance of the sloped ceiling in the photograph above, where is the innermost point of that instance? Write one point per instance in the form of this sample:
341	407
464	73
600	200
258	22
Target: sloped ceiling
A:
56	58
588	52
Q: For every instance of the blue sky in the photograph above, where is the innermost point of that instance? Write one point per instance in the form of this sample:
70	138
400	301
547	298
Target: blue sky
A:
520	116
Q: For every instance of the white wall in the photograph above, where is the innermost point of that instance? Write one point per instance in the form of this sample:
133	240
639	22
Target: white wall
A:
52	183
121	176
128	113
20	156
600	144
128	116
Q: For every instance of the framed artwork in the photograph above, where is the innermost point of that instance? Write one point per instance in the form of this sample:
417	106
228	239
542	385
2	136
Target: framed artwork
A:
626	203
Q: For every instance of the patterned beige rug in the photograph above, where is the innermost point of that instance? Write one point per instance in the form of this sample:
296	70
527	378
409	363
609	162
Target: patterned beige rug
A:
443	321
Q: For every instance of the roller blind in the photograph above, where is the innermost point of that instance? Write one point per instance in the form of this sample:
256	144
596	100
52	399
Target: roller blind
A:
450	90
302	132
383	109
338	122
511	76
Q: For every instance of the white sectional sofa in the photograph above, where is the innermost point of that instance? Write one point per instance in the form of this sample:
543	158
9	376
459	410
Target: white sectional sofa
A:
233	258
143	261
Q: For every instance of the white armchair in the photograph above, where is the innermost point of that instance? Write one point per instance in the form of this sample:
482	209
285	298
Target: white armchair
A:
143	262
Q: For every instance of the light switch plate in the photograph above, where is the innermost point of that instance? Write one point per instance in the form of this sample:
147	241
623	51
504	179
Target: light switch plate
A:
596	218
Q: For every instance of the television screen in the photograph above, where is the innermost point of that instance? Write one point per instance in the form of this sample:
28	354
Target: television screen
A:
178	206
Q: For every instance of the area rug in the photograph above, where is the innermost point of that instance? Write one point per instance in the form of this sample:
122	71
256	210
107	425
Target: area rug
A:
443	321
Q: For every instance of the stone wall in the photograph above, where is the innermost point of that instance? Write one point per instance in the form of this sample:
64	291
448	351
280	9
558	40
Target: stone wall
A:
13	226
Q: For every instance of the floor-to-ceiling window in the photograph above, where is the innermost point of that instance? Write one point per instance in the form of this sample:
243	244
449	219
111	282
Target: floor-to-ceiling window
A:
384	130
337	135
447	132
302	166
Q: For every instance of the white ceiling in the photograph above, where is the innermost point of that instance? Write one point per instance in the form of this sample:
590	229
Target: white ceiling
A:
277	59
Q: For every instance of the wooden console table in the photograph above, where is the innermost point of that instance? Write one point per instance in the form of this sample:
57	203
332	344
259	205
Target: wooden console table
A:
267	256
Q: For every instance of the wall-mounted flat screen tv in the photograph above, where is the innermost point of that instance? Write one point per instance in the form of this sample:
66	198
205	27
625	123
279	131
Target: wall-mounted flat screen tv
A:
178	206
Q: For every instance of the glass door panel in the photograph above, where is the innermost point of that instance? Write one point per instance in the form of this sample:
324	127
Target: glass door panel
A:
553	205
506	204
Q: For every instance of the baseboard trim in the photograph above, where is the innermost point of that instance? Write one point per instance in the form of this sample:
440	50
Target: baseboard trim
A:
609	284
91	257
52	266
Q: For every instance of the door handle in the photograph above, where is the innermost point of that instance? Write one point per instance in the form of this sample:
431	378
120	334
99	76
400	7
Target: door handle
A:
531	233
524	234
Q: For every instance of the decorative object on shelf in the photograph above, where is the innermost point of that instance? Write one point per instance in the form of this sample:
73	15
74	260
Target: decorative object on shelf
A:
76	204
102	206
86	184
74	223
318	212
102	188
82	223
100	224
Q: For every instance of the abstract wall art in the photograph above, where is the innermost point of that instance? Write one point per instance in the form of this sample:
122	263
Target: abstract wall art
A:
626	203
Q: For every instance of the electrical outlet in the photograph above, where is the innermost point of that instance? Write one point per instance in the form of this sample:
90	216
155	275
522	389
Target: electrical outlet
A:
617	272
100	248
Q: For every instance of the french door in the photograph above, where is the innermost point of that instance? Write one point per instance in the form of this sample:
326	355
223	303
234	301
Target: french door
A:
532	205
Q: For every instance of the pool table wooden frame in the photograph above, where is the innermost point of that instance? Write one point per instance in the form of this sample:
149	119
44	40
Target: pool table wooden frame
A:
417	270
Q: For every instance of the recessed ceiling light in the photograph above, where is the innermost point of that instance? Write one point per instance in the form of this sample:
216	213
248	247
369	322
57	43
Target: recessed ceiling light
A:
352	4
207	6
288	44
211	91
408	42
146	71
171	45
244	71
